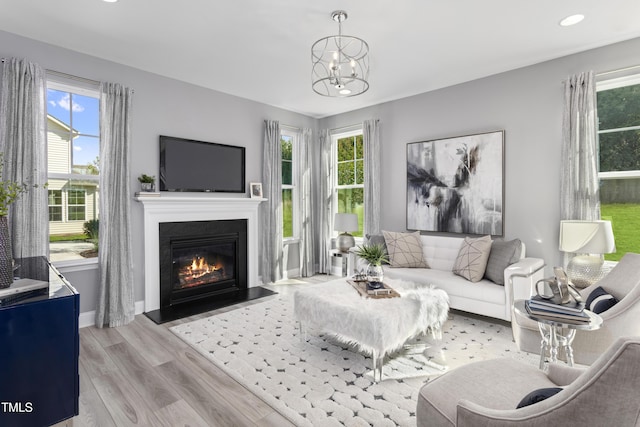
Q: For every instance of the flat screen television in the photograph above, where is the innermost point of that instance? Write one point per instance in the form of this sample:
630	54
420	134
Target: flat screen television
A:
188	165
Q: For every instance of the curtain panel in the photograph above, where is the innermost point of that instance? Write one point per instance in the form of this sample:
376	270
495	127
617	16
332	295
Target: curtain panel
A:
371	140
326	209
115	295
272	255
23	142
306	219
579	190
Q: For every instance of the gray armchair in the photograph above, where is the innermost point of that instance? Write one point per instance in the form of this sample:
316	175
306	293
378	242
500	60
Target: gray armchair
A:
486	393
623	319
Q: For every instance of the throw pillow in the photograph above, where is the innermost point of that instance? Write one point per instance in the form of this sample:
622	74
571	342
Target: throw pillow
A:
600	300
377	239
502	255
471	261
538	396
405	249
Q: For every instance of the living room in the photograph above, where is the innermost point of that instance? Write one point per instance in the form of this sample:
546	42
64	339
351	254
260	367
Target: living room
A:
525	102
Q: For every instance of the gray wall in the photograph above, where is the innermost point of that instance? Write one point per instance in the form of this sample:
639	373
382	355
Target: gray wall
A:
160	106
527	103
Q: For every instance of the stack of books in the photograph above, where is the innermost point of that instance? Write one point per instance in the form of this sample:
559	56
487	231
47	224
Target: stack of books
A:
572	312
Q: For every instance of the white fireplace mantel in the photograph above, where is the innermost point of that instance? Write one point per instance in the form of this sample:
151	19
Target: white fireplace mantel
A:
179	208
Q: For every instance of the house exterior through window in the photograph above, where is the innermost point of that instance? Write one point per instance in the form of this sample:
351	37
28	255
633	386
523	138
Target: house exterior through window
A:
73	147
618	103
288	146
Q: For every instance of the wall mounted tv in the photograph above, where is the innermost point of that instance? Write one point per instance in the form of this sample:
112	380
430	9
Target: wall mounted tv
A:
188	165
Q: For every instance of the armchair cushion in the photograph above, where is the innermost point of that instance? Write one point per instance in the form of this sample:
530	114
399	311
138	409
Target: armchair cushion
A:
538	396
600	300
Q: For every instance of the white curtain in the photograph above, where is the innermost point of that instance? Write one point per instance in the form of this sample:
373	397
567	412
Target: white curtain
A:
371	140
579	191
326	208
115	296
306	217
271	254
23	142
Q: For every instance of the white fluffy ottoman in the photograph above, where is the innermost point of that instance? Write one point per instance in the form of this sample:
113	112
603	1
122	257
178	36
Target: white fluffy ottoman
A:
375	326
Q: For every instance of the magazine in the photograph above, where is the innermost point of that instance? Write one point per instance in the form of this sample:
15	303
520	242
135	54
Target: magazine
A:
570	317
572	306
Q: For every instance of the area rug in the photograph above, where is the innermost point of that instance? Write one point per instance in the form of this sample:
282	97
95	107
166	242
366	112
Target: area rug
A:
321	382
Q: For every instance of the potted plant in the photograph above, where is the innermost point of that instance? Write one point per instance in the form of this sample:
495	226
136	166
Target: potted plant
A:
375	255
147	182
9	193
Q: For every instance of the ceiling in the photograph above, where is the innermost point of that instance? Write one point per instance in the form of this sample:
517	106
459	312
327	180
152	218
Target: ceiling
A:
260	50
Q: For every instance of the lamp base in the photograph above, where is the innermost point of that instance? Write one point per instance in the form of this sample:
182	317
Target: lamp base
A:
345	242
585	270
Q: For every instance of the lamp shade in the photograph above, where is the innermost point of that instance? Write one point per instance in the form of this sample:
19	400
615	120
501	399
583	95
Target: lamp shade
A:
587	237
345	222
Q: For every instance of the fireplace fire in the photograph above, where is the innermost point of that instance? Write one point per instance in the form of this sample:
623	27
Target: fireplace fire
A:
202	260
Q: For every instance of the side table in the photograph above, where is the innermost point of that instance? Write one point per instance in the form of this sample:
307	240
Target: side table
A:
344	262
554	335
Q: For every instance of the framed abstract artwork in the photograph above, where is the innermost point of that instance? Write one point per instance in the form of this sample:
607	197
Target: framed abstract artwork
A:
456	184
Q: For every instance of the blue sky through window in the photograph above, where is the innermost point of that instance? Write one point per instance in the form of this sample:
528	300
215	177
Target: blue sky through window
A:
82	114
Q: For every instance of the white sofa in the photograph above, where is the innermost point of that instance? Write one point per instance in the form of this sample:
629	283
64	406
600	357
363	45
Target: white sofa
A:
484	297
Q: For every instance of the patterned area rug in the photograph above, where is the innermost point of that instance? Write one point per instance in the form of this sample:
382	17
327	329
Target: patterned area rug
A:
321	382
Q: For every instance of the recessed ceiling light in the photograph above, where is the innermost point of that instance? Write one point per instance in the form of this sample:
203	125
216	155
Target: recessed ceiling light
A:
571	20
109	1
345	92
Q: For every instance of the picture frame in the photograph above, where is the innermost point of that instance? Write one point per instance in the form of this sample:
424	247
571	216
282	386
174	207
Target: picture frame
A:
456	184
255	189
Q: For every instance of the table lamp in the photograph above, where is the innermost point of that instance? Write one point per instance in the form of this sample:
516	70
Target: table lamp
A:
586	238
345	222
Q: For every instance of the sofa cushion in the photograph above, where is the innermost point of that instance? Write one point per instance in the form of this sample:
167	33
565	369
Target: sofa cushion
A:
503	254
405	249
600	300
471	261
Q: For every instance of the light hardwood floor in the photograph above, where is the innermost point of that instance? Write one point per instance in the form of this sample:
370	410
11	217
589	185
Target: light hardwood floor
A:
143	375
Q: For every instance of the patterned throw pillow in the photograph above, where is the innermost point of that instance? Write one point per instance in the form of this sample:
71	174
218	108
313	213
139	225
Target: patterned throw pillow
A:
600	300
471	261
501	256
405	249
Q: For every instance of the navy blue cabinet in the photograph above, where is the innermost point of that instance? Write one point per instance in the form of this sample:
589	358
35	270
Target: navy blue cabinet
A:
39	345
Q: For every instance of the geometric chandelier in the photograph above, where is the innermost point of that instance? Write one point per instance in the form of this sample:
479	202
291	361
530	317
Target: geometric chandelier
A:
340	64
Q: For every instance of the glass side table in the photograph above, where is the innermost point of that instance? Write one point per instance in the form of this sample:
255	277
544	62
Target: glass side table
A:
557	333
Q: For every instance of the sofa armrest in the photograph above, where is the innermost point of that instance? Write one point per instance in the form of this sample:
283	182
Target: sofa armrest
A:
520	279
563	375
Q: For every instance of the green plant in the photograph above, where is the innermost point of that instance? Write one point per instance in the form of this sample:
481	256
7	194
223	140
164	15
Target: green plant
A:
9	191
91	228
144	178
373	254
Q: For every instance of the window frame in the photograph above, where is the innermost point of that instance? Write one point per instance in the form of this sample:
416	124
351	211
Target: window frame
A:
86	89
290	133
335	136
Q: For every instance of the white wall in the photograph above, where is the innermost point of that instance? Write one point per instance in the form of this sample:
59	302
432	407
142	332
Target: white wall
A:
161	106
527	103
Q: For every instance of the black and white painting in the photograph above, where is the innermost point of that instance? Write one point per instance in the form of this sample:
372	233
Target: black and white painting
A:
456	184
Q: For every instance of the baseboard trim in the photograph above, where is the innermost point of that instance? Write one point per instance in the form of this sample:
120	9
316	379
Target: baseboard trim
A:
88	318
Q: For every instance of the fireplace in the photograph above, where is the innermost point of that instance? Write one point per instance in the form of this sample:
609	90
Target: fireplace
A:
201	261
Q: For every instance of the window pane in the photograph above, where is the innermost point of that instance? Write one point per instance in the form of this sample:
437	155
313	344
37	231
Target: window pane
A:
287	167
76	213
85	114
55	197
620	151
359	147
359	171
351	200
86	151
55	213
619	108
58	106
345	149
346	174
624	215
286	145
287	213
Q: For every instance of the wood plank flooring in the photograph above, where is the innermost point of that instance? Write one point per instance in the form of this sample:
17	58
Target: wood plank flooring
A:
143	375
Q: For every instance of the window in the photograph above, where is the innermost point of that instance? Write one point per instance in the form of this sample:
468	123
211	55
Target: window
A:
349	191
619	160
289	206
73	123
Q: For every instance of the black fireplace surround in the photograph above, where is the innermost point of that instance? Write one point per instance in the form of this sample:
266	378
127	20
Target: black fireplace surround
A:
201	261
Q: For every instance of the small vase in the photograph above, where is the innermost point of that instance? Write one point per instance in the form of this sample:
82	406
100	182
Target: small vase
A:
375	273
6	254
148	186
